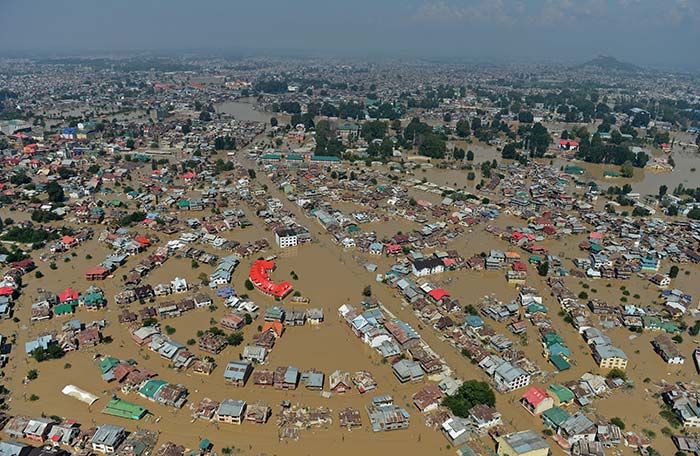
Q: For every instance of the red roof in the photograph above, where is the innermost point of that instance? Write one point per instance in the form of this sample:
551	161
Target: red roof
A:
568	142
68	295
518	266
4	291
144	241
97	270
438	293
261	279
188	175
274	326
535	396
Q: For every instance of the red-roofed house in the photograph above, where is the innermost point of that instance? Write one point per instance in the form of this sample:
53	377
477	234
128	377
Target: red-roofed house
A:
536	401
567	144
519	266
69	242
97	273
393	249
428	398
6	291
259	276
275	326
69	296
438	293
143	241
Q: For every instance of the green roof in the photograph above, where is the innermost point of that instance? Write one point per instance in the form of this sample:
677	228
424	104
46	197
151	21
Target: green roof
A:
552	338
123	409
93	298
270	157
559	362
573	169
294	157
562	393
65	308
536	308
151	388
325	158
108	364
555	415
347	126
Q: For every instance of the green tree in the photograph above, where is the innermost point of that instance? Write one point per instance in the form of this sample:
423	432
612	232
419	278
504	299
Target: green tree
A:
673	273
470	155
469	394
367	291
235	339
627	170
375	129
543	268
618	422
55	192
462	128
617	373
432	146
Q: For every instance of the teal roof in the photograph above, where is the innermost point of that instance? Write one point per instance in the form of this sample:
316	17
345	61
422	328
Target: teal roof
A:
562	393
560	363
151	388
123	409
573	169
108	364
559	350
325	158
532	308
65	308
551	339
555	415
294	157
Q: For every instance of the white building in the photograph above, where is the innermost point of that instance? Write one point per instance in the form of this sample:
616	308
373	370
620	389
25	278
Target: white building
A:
286	238
510	377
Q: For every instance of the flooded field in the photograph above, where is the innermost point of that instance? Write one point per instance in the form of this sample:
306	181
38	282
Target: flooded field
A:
243	109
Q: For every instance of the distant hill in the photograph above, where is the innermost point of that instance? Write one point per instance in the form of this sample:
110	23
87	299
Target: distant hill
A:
607	63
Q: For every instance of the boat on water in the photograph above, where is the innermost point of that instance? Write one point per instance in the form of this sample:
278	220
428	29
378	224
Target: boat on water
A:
696	359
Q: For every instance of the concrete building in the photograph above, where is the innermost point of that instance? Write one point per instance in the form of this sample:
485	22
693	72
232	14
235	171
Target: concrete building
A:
286	238
523	443
108	438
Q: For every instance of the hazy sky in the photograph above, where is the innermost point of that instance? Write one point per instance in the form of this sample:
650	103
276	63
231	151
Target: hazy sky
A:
657	32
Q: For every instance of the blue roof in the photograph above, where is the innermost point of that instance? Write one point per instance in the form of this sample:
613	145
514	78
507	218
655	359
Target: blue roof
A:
41	341
475	321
